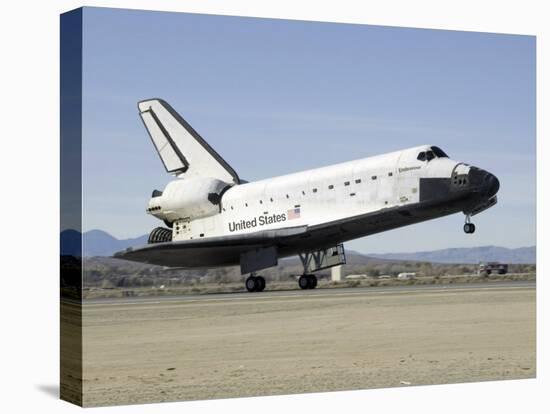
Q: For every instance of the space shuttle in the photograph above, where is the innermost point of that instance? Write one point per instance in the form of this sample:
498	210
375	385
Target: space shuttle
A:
213	218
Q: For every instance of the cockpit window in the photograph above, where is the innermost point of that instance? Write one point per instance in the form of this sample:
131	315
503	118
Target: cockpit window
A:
433	152
439	152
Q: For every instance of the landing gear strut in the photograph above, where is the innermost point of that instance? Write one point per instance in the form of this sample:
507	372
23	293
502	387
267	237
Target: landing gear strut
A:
469	228
315	260
307	281
255	283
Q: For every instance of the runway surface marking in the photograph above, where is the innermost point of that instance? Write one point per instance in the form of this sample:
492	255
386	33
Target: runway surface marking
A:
322	293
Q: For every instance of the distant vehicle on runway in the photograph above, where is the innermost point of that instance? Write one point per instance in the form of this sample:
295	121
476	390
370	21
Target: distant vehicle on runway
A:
406	276
214	218
356	277
384	277
486	269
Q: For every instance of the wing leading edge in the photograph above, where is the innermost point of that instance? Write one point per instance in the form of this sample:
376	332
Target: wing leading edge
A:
211	251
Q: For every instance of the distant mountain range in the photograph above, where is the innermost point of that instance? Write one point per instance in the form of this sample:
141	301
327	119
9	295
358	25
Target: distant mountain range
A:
101	243
521	255
96	243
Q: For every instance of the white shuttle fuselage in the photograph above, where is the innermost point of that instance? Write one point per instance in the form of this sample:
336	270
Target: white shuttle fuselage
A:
304	198
216	219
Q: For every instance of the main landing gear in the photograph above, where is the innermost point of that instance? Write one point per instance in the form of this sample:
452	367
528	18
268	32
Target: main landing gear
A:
318	260
312	261
469	228
255	283
307	281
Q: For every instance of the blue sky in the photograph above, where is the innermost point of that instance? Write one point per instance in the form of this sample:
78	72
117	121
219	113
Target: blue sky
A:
278	96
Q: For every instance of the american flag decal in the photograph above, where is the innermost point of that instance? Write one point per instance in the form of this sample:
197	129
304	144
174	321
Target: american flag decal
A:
293	213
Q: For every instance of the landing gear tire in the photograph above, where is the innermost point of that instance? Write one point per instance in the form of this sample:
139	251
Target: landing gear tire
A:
312	281
307	282
260	283
303	282
250	283
469	228
255	283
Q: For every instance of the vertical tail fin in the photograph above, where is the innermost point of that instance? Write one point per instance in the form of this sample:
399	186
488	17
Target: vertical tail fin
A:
182	150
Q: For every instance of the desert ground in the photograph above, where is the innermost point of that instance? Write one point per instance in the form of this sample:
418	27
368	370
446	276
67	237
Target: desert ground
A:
235	345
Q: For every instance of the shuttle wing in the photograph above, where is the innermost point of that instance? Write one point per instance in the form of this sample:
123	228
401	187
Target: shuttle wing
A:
211	251
182	150
226	250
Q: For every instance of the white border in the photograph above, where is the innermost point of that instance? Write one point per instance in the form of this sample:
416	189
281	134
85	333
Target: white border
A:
29	208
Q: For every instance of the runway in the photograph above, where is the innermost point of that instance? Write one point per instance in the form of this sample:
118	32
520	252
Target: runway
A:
281	294
139	350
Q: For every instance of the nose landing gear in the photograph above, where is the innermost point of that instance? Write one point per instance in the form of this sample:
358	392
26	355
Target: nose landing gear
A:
469	228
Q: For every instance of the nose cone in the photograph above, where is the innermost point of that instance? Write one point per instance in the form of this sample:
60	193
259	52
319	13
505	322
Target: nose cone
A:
484	182
492	184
